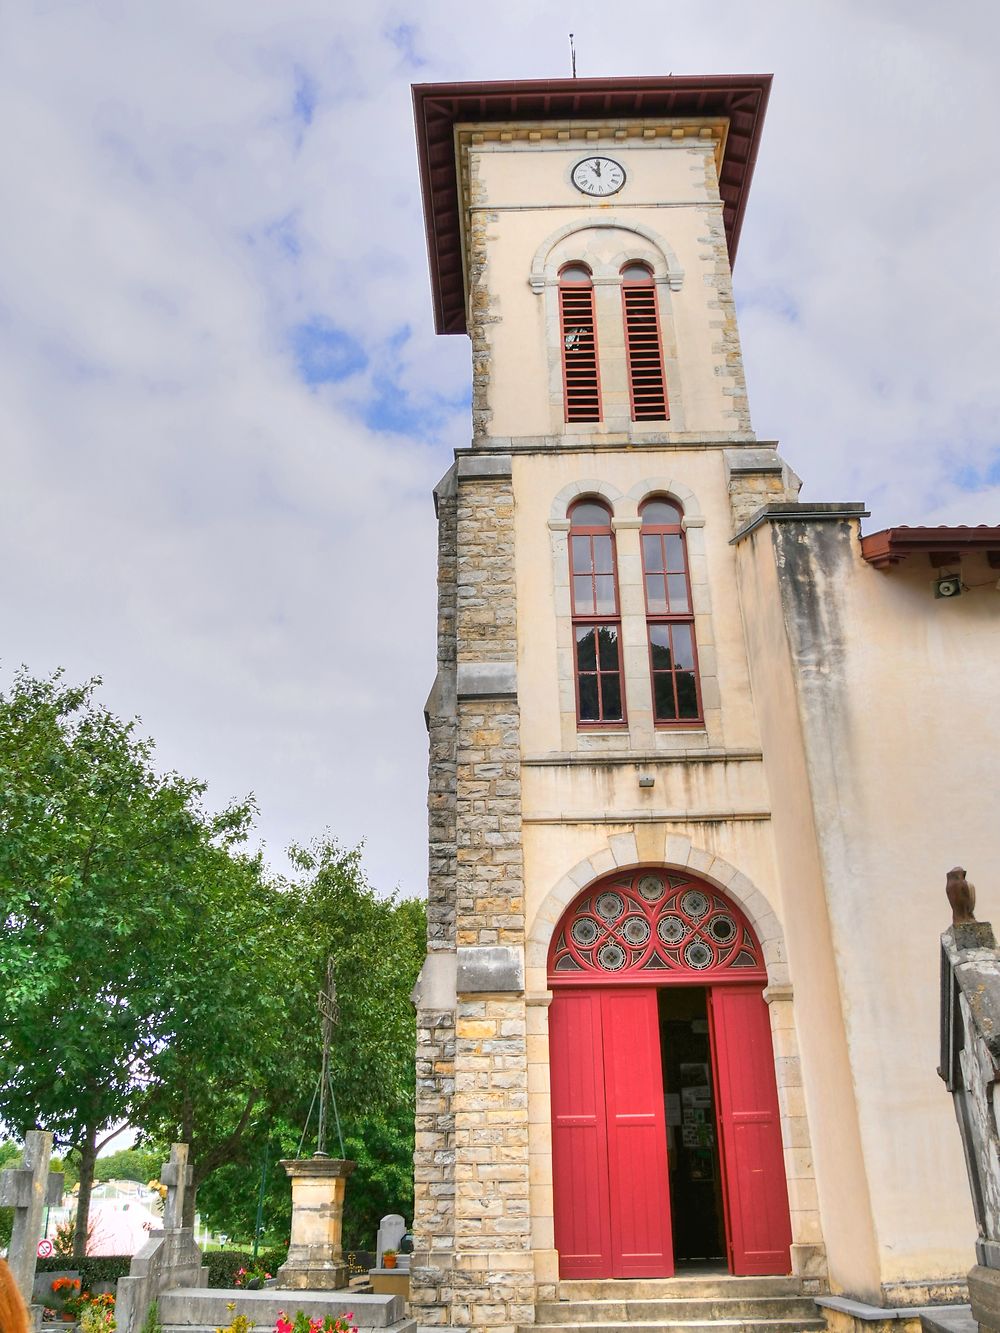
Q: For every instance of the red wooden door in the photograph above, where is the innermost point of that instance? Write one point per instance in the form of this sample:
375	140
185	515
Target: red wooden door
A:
641	1244
609	1160
758	1225
579	1135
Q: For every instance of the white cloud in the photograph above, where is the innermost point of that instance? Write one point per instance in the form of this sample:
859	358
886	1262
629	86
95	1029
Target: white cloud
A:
250	566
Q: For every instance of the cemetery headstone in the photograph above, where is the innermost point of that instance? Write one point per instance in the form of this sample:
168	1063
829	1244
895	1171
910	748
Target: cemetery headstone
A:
170	1258
29	1189
391	1231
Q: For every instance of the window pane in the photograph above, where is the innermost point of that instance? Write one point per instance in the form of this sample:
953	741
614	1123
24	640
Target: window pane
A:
580	547
656	598
611	690
589	514
659	643
608	639
687	695
652	554
675	553
589	711
583	595
636	273
678	593
586	648
663	695
602	555
661	512
574	273
683	647
605	594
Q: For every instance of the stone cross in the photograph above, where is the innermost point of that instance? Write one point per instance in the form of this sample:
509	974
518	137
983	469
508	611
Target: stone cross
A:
29	1190
177	1176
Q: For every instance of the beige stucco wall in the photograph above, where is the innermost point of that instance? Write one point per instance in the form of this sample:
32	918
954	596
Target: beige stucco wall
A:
669	213
877	707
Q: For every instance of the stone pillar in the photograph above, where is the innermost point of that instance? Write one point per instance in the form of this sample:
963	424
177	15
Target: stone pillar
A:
29	1189
316	1254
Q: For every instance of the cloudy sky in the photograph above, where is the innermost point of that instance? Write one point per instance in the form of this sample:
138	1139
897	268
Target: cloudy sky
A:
222	403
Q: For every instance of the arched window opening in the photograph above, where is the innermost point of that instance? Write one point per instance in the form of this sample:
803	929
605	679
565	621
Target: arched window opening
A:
654	926
643	346
673	656
578	331
596	615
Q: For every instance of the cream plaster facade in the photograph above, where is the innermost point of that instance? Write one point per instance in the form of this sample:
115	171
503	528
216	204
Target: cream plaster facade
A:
843	765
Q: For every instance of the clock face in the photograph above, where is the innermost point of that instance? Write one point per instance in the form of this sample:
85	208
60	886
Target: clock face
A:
598	176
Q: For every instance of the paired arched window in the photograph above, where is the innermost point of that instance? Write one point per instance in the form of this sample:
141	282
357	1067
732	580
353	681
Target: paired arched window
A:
596	615
669	616
643	345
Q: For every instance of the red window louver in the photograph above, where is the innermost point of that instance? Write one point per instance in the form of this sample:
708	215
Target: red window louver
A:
643	349
581	383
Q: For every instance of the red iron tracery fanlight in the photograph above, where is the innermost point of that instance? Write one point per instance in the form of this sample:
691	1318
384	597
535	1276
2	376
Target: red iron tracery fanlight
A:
654	926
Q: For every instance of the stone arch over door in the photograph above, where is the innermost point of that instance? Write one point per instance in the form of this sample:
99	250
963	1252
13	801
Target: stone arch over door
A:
621	852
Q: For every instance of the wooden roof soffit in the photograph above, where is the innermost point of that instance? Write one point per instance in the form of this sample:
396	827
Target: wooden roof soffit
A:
943	546
728	108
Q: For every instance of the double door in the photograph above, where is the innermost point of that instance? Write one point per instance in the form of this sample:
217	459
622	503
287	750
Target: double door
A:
609	1133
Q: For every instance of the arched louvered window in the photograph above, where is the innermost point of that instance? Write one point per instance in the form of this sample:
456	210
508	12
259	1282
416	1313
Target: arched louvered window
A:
596	615
673	657
578	330
643	348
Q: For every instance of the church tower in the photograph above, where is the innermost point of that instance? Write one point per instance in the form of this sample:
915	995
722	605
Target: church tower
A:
609	1080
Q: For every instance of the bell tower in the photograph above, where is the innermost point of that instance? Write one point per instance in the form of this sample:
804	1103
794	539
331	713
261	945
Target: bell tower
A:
592	709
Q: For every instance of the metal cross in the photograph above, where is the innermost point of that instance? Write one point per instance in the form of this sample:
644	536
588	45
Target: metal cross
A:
327	1005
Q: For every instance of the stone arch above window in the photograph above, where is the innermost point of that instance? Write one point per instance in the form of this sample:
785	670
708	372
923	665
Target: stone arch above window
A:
578	490
670	488
657	253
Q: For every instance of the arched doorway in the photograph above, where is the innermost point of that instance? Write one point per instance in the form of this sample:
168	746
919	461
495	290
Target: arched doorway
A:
666	1140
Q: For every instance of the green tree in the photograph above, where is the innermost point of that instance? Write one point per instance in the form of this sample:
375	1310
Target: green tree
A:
141	1164
98	855
377	944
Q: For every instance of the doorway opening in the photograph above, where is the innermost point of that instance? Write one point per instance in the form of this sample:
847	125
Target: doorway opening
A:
666	1135
693	1158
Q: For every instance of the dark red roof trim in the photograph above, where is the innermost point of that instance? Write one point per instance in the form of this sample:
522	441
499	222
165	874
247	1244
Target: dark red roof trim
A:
438	107
943	545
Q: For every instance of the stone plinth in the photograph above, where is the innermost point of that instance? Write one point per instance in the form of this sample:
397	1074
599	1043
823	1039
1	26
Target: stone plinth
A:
316	1256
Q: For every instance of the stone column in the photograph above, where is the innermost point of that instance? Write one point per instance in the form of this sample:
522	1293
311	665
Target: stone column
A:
316	1255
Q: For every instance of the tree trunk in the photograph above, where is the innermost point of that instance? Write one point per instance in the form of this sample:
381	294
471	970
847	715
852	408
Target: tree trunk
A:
88	1157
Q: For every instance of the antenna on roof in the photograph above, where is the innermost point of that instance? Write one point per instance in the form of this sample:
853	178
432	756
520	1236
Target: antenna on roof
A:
572	54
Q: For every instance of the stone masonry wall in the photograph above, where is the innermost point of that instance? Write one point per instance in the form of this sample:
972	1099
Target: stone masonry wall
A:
473	1265
434	1149
493	1281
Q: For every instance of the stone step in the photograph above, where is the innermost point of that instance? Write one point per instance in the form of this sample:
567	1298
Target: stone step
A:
709	1286
198	1308
678	1308
736	1324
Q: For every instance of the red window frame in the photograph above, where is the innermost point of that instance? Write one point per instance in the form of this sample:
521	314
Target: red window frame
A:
585	615
669	613
647	380
578	348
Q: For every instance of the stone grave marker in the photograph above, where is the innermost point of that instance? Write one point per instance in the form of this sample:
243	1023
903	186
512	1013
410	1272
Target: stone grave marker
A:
29	1190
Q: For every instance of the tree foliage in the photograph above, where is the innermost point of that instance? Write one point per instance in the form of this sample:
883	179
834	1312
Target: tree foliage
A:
154	974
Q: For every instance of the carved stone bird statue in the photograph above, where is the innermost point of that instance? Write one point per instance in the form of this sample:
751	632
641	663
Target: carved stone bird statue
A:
962	896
